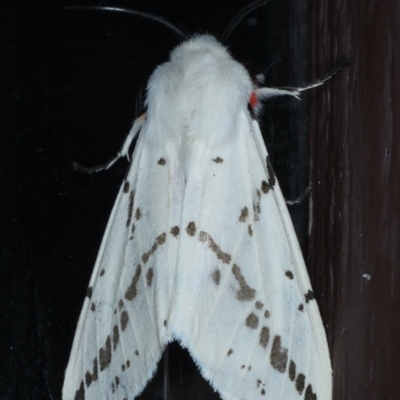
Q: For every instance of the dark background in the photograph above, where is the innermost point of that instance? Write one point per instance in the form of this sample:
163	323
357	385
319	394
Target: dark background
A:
71	85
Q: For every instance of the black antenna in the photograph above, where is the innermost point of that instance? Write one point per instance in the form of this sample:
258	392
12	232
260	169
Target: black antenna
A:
239	16
142	14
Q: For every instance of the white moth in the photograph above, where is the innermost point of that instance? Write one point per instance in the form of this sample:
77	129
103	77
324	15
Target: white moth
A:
200	249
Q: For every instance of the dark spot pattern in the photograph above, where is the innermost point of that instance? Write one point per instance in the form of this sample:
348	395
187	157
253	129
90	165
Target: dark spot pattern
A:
267	314
243	367
128	363
264	336
123	320
133	228
301	307
292	370
138	214
206	238
259	383
102	272
257	206
310	395
158	242
80	393
120	304
117	381
309	296
216	276
89	292
93	307
244	214
130	207
131	292
149	276
289	274
250	230
165	323
265	187
105	354
252	321
136	353
175	231
218	160
161	161
191	229
300	383
126	187
262	392
279	355
259	305
92	376
161	239
245	293
115	336
271	173
230	351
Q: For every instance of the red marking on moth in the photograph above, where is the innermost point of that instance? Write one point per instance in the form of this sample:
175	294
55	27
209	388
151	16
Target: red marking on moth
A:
253	99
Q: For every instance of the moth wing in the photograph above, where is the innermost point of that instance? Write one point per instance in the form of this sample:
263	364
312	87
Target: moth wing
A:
244	305
122	327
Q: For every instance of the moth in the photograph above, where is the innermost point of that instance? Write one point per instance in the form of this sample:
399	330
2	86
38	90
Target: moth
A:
200	249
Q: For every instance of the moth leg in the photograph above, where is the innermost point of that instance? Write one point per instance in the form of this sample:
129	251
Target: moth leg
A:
137	125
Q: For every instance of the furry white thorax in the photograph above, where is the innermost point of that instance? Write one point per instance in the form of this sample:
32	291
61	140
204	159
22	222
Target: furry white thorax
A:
194	95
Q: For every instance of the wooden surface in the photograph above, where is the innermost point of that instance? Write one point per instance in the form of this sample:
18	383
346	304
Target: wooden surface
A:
355	155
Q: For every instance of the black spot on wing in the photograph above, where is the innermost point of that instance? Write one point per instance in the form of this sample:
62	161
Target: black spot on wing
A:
245	293
292	370
92	376
89	292
216	276
105	354
301	307
123	320
309	296
93	307
131	292
310	395
218	160
191	229
80	393
149	276
300	383
102	272
206	238
252	321
264	336
265	187
244	214
175	231
267	314
161	161
259	305
138	214
279	355
130	207
230	351
289	274
115	337
126	187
